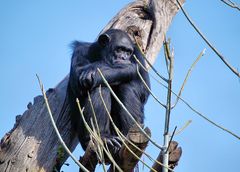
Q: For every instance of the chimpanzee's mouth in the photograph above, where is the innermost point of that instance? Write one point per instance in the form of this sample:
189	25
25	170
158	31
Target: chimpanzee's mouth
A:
120	61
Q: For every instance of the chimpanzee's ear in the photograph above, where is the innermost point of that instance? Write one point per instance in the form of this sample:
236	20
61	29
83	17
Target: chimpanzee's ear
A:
104	39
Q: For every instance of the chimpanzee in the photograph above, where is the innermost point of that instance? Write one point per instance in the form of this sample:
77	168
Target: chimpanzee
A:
113	54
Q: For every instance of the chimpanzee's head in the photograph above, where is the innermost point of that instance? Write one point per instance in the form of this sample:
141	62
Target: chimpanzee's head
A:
117	46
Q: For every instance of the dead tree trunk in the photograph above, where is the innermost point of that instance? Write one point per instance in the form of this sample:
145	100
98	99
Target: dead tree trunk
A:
32	144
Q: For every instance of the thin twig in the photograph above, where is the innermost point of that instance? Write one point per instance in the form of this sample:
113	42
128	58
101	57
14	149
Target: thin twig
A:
94	131
210	121
149	90
151	66
145	69
94	113
231	4
171	138
56	129
165	53
100	152
170	59
96	137
183	128
187	76
208	43
129	114
170	68
199	113
203	116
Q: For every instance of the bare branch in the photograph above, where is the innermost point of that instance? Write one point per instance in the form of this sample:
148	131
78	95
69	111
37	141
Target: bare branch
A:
96	137
187	76
170	61
100	151
204	117
94	113
231	4
149	90
198	113
149	64
184	127
171	138
208	43
210	121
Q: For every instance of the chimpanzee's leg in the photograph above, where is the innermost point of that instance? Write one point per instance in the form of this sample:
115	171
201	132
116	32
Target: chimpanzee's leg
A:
100	112
130	96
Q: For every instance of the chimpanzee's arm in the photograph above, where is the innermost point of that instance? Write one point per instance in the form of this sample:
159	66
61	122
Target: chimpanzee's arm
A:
89	77
84	75
114	74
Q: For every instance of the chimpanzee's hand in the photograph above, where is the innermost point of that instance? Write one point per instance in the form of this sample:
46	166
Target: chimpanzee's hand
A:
114	143
86	78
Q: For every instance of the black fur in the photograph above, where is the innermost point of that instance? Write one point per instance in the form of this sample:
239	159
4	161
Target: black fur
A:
112	54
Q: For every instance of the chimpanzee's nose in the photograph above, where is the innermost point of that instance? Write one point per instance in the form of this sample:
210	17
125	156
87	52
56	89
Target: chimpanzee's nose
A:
124	57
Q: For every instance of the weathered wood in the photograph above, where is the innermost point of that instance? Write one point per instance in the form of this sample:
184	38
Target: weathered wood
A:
175	154
32	144
148	22
89	159
126	160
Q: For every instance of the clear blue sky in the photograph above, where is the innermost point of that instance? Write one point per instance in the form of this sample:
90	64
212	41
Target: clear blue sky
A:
35	38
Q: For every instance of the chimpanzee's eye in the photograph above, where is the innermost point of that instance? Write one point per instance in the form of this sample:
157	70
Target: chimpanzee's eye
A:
129	52
119	49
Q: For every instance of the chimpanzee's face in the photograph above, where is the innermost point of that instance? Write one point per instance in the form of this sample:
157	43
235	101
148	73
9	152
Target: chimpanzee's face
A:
118	47
122	50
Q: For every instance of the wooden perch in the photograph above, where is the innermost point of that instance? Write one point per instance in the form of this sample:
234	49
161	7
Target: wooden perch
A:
126	160
89	159
175	153
32	144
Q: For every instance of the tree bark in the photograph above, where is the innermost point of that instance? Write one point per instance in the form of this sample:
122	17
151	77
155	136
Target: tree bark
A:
32	144
175	154
126	160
